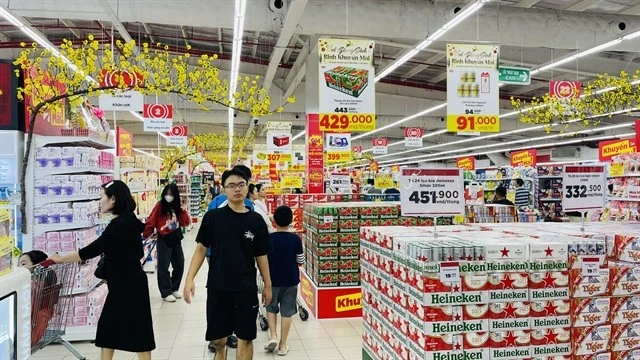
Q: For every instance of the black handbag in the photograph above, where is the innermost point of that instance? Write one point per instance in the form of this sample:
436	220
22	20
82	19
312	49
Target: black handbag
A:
173	238
101	270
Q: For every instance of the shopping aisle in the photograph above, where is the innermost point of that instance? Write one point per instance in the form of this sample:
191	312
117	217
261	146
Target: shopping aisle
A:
180	328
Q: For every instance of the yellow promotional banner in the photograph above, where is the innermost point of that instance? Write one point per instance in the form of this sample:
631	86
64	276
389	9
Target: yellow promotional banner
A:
297	167
383	181
291	182
286	157
336	157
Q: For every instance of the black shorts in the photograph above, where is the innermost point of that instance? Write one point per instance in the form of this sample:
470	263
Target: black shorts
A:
232	312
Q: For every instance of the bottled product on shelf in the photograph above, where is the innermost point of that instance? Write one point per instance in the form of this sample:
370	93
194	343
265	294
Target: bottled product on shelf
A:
501	291
141	174
196	198
624	199
550	191
506	176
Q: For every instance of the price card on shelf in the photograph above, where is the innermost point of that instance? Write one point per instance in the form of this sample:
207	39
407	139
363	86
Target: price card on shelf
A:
340	181
431	192
590	266
327	219
584	187
473	123
347	122
286	157
449	271
291	182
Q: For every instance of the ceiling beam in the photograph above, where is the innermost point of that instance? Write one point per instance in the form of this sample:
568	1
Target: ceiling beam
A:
527	3
438	78
583	5
256	35
184	36
294	14
220	48
147	29
4	38
71	26
420	68
296	73
634	10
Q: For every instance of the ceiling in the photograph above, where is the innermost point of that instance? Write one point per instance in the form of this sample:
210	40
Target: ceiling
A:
531	33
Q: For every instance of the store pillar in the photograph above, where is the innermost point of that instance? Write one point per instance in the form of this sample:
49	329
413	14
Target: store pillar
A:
313	136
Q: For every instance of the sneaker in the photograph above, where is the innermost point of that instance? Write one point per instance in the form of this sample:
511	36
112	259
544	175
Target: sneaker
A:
271	345
170	299
177	295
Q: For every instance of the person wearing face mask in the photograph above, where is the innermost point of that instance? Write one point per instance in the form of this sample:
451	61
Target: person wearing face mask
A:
126	322
167	218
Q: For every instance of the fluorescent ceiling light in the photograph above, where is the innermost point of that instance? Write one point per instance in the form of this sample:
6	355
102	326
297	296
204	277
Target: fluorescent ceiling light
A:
238	31
422	113
460	16
146	153
298	135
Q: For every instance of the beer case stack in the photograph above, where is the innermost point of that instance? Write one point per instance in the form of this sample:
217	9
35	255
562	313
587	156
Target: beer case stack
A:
517	293
296	203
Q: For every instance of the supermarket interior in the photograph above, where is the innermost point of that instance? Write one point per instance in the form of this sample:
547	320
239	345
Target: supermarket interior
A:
434	179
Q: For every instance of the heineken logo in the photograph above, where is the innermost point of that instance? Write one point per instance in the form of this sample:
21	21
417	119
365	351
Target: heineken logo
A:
504	266
510	353
552	322
464	355
447	327
552	350
548	266
448	299
549	294
510	324
472	267
415	293
521	295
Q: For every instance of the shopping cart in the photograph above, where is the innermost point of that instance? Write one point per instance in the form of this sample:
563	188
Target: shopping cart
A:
51	286
149	244
264	324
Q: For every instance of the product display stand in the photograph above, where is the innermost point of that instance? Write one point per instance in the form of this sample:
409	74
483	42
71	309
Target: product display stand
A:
63	182
184	186
550	191
506	176
624	200
196	198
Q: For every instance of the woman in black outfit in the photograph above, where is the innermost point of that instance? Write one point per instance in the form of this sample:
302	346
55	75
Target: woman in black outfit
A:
125	323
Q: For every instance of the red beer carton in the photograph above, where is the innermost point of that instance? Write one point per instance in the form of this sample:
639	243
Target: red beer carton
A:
449	347
510	344
509	316
599	356
552	285
626	355
508	286
625	279
590	340
624	309
450	319
472	289
625	336
590	312
551	342
550	314
585	286
624	247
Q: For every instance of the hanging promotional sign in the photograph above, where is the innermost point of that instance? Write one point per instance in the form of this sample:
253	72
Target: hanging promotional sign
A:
524	157
315	155
466	163
413	137
431	192
357	149
637	127
379	146
124	142
608	149
116	77
340	181
383	181
338	148
279	137
177	136
299	155
346	85
158	117
472	88
564	89
124	101
291	182
585	187
374	166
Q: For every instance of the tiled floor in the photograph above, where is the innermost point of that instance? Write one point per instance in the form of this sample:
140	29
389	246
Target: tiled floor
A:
180	328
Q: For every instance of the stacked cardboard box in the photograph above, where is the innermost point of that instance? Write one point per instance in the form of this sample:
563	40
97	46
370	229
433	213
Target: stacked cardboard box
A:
297	201
514	292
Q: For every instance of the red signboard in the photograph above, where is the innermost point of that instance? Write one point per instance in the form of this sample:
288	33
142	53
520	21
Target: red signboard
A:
112	78
181	130
47	123
413	132
315	155
374	166
6	99
637	125
157	111
524	157
124	142
331	303
357	149
564	89
466	163
380	142
608	149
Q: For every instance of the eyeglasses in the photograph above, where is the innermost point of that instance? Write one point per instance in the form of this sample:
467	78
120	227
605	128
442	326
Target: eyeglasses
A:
240	186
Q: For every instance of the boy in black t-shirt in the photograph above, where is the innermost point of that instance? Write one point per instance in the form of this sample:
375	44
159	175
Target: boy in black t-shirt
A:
239	239
285	257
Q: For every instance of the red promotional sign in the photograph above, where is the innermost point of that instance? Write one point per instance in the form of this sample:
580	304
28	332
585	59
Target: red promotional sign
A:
608	149
564	89
413	132
374	166
380	142
112	78
637	125
157	111
524	157
124	142
315	155
357	149
181	130
466	163
331	303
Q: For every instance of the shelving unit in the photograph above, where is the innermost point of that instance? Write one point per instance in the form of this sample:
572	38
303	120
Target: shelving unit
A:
624	201
184	186
550	191
45	170
492	178
196	198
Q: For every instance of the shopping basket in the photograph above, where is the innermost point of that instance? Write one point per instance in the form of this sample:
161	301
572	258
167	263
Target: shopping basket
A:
51	287
264	324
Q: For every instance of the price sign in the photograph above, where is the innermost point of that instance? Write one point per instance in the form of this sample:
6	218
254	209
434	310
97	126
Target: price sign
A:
340	181
473	123
431	192
291	182
584	186
279	157
616	169
590	266
449	271
335	157
347	122
327	219
383	181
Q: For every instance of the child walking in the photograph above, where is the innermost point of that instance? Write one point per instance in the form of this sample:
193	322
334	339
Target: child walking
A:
285	257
